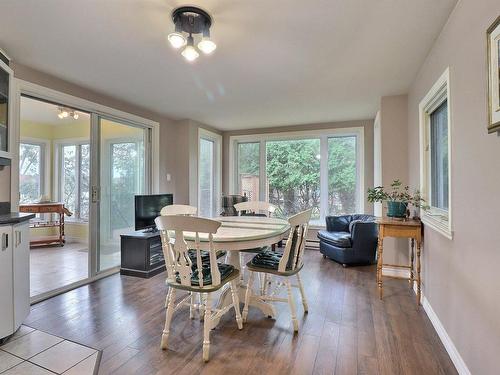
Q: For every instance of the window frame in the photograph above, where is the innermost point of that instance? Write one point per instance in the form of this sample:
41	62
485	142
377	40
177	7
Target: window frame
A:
44	161
217	168
323	135
436	218
58	182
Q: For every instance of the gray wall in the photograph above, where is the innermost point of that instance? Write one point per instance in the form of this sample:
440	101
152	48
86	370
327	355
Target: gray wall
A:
394	162
368	151
461	278
178	139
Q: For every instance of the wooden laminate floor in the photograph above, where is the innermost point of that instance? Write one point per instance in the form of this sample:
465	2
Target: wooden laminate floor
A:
347	331
53	267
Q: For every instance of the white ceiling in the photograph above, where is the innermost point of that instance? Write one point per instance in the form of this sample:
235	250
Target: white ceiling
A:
46	113
277	62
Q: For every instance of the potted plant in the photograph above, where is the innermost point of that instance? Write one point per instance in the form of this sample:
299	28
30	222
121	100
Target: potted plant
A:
398	198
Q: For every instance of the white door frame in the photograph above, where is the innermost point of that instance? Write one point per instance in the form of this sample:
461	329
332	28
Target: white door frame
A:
20	87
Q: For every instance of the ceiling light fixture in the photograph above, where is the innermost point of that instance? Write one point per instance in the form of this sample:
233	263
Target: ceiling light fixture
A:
65	112
191	21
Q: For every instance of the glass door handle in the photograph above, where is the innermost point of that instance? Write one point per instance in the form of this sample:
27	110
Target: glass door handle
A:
95	194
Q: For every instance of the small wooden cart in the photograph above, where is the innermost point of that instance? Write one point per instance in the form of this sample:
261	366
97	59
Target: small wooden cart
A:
56	208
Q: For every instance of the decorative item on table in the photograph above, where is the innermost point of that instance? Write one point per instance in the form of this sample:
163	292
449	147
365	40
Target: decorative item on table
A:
493	56
398	199
44	199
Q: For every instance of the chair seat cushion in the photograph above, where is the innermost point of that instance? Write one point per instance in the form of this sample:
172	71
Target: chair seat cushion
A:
267	259
205	255
256	249
339	239
225	271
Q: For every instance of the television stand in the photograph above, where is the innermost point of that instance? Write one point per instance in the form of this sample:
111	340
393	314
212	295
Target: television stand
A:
141	254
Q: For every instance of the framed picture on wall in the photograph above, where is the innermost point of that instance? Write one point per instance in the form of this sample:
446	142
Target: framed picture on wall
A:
493	55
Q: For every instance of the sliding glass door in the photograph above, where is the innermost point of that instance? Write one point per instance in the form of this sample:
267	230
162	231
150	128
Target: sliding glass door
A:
123	169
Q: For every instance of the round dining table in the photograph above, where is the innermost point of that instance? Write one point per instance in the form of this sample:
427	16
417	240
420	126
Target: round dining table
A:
239	233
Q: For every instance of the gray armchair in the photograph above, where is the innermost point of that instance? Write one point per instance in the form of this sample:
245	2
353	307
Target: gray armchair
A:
349	239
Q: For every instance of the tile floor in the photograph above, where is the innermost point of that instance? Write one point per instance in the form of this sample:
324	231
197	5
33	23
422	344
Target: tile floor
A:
33	352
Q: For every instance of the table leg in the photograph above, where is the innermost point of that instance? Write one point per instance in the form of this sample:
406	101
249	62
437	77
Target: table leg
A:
412	259
379	266
419	292
255	300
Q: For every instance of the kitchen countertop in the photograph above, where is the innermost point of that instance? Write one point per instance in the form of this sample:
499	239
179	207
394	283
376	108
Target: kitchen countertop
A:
15	217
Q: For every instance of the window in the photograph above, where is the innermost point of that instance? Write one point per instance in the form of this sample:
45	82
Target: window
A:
343	197
74	179
439	157
127	180
249	170
435	156
31	171
314	169
293	176
209	160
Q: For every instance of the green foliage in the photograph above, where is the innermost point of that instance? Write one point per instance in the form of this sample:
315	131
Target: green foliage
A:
396	193
293	173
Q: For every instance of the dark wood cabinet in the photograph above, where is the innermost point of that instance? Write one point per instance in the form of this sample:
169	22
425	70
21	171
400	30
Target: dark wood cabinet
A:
141	254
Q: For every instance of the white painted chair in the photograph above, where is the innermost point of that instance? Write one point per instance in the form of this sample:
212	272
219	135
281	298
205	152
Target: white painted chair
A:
179	209
190	276
285	265
255	208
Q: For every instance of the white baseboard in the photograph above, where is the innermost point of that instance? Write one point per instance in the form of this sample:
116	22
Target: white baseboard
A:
395	271
450	347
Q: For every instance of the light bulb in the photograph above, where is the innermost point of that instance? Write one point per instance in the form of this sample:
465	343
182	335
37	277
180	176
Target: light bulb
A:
207	46
190	53
60	115
75	116
176	39
65	114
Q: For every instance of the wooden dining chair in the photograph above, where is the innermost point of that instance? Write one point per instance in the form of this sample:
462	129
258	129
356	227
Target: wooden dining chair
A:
197	276
179	209
186	210
286	265
255	208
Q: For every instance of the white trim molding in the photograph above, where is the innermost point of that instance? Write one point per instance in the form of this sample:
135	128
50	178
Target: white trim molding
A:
450	347
437	219
217	166
395	272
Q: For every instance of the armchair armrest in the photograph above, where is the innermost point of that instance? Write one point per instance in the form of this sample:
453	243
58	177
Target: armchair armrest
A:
364	237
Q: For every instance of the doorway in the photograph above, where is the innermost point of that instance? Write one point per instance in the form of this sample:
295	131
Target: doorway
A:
92	165
54	180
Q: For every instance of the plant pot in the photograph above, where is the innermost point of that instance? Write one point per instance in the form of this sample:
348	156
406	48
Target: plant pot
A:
396	209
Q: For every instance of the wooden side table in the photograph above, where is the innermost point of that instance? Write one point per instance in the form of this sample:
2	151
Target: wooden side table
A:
50	208
411	229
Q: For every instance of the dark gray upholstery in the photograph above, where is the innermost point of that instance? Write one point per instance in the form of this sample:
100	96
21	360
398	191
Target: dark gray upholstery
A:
349	239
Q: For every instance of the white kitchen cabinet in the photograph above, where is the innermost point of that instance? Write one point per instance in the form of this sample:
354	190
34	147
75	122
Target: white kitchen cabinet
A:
6	282
14	277
21	259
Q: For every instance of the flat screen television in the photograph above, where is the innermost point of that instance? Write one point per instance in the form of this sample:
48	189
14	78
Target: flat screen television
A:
148	207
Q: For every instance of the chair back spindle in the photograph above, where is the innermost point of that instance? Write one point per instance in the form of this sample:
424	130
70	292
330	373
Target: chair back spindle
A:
255	207
295	244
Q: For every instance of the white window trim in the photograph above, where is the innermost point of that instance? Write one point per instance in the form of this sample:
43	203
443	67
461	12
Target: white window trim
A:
217	139
437	219
46	155
322	135
57	182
